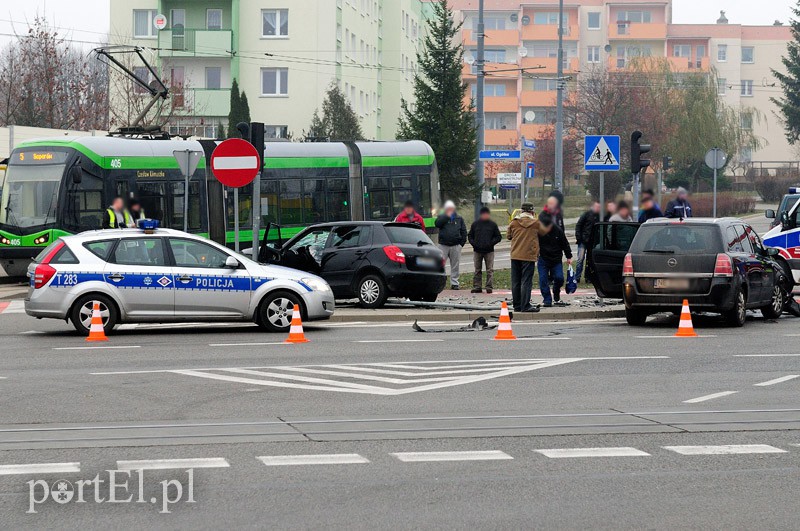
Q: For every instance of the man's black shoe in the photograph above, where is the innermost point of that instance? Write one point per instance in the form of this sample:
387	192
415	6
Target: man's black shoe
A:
547	305
489	291
532	309
476	290
453	287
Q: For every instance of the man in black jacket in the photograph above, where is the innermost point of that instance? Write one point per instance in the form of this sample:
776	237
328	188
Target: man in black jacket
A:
483	235
452	237
552	247
583	235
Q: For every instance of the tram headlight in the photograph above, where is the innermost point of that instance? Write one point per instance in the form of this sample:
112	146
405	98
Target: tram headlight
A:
44	238
4	240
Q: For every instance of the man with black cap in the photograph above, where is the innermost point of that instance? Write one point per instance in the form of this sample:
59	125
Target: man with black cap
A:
134	213
524	232
553	247
483	235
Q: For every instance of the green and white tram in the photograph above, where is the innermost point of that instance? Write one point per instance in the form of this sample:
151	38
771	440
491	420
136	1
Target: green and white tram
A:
62	186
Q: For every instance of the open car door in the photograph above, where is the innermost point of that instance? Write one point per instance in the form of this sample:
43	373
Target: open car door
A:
610	244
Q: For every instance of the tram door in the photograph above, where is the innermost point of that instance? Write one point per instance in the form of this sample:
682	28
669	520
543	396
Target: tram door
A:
152	196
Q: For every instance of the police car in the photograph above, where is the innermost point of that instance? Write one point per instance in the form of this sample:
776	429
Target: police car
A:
785	236
163	275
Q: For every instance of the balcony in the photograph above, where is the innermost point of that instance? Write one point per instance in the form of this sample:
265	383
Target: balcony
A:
508	37
205	102
549	32
550	64
637	31
501	137
538	98
195	43
685	64
533	131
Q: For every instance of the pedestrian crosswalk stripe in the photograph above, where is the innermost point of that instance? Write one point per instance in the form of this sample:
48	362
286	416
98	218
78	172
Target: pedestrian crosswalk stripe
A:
167	464
15	306
725	449
319	459
559	453
39	468
427	457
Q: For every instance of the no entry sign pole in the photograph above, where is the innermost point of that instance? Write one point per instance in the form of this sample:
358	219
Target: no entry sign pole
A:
257	139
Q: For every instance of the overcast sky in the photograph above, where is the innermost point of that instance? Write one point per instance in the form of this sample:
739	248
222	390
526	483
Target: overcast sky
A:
86	20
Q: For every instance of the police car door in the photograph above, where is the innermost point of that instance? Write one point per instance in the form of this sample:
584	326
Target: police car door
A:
138	269
204	287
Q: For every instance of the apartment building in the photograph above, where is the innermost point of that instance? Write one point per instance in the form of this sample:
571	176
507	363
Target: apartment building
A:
607	34
284	54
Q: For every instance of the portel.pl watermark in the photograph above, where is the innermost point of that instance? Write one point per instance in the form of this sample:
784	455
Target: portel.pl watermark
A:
113	486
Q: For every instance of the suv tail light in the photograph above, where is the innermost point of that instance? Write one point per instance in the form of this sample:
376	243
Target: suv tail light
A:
394	254
724	266
627	266
44	271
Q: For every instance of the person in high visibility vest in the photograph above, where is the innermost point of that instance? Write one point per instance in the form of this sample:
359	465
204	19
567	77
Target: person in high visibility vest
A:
134	213
114	216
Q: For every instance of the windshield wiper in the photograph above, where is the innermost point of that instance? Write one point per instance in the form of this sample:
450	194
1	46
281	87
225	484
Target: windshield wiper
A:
659	251
421	243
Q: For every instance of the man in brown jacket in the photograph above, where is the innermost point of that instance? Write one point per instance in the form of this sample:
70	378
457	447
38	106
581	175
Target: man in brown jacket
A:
524	232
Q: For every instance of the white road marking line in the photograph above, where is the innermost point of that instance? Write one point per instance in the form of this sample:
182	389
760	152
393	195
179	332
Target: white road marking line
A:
247	344
427	457
778	380
725	449
31	332
709	397
765	355
39	468
400	341
16	306
668	337
109	347
166	464
320	459
791	335
543	338
560	453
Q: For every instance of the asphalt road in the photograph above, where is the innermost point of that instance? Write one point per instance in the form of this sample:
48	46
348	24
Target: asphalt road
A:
376	426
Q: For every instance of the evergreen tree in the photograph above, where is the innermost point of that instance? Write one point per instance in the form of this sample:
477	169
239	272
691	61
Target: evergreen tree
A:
338	122
220	131
789	104
235	113
244	109
439	116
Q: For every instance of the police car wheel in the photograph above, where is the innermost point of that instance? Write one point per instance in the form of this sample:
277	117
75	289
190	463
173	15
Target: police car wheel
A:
81	314
275	311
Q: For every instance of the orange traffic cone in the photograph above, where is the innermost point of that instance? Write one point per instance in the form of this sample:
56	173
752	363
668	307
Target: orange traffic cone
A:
686	328
504	331
96	331
296	331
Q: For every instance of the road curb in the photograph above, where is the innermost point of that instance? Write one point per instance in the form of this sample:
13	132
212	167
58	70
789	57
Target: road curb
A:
468	316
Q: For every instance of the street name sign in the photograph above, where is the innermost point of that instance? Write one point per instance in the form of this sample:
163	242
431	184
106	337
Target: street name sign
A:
501	154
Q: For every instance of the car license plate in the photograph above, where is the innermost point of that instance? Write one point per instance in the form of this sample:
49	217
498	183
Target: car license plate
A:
672	283
426	262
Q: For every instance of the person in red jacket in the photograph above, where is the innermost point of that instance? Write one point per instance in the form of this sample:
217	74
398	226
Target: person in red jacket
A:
409	215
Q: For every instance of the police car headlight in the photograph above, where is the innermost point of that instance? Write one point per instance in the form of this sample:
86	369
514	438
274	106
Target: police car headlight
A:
317	284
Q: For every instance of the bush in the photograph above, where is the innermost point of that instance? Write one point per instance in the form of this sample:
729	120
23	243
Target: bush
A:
727	205
771	189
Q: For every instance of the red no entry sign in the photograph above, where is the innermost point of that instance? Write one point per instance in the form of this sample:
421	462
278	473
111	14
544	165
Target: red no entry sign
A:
235	162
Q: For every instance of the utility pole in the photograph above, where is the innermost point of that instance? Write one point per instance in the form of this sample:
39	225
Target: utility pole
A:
559	170
480	64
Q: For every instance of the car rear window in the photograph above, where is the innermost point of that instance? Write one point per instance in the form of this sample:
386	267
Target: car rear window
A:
64	256
46	251
100	249
678	238
406	235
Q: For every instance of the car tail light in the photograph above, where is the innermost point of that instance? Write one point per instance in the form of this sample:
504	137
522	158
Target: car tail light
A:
724	266
394	254
627	266
44	271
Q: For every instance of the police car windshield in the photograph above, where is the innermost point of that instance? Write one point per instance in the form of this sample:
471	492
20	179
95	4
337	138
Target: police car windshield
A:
30	194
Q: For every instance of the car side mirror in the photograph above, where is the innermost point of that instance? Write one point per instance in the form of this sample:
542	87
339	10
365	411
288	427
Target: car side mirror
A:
769	214
772	251
232	263
76	173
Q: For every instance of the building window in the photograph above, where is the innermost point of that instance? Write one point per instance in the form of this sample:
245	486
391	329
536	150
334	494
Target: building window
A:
747	87
746	154
546	85
177	20
594	21
274	81
682	50
176	82
491	55
747	121
500	120
275	23
214	19
593	54
701	51
276	131
748	54
489	23
143	27
549	18
213	77
722	86
490	89
634	16
722	53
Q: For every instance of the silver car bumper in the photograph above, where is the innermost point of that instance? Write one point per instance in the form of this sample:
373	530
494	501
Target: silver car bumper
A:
319	305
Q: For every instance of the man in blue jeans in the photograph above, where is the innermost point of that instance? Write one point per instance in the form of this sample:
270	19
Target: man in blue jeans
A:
553	246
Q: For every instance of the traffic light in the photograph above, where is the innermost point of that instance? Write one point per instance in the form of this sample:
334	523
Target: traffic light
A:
666	163
637	150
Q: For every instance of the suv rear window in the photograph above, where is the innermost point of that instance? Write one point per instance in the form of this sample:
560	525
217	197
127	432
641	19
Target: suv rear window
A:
678	238
406	235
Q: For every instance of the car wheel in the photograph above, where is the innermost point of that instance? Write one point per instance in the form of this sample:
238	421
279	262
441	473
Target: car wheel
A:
275	311
775	308
372	291
635	317
81	313
738	315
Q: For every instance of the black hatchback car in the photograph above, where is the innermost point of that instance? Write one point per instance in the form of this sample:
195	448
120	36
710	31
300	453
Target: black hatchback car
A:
367	260
718	265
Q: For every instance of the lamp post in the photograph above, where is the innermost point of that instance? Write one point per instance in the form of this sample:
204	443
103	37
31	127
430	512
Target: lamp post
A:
559	170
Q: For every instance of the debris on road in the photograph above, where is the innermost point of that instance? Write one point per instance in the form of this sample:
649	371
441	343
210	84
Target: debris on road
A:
478	325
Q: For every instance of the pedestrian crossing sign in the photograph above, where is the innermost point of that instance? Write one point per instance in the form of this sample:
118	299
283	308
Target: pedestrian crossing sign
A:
601	153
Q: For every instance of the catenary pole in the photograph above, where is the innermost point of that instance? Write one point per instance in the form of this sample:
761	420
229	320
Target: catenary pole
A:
479	64
559	170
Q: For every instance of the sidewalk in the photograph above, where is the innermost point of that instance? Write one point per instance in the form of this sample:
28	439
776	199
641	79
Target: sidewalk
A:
9	292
